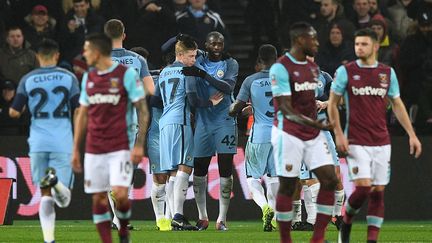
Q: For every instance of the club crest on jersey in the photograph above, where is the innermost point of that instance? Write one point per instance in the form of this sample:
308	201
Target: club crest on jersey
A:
356	77
314	72
220	73
297	74
206	20
273	79
383	80
90	85
114	85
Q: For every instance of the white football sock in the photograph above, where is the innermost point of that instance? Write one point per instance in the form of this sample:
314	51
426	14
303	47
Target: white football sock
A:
200	190
257	191
310	204
272	184
181	186
339	198
225	189
61	195
158	199
115	220
47	217
297	211
169	188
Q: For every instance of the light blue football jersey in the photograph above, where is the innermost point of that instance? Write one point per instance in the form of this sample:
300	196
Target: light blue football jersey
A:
131	59
257	88
156	112
222	70
174	86
134	60
49	91
324	80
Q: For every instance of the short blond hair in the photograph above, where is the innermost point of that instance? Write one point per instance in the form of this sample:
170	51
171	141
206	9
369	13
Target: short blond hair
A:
185	43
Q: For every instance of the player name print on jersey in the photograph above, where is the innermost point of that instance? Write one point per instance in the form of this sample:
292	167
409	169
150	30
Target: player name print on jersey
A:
49	77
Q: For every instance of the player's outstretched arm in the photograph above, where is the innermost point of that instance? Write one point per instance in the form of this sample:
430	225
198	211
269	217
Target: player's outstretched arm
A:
403	118
333	113
220	85
236	108
143	123
284	103
80	129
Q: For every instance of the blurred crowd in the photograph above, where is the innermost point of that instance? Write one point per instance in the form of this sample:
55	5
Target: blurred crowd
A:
404	28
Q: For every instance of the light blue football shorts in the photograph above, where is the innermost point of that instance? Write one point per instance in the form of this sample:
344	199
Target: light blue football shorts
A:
209	140
259	160
61	162
176	146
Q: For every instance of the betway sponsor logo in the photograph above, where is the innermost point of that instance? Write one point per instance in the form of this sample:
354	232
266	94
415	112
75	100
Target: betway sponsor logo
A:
305	86
104	99
368	90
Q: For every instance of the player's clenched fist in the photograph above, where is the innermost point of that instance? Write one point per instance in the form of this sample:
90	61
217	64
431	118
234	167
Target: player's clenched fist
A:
137	154
76	162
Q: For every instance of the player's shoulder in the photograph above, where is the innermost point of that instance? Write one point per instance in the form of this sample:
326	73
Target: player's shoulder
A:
170	68
183	14
351	64
383	66
64	71
134	54
231	62
214	15
26	77
327	77
257	75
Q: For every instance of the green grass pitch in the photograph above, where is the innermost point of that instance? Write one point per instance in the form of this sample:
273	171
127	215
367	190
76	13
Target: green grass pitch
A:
239	231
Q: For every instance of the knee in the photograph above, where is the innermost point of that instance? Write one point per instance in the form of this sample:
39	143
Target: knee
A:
330	183
100	199
287	189
225	171
160	178
200	168
225	166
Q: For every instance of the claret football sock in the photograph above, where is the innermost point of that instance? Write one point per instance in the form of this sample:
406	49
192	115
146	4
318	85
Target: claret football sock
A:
355	201
375	214
102	220
47	217
284	215
325	206
123	213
